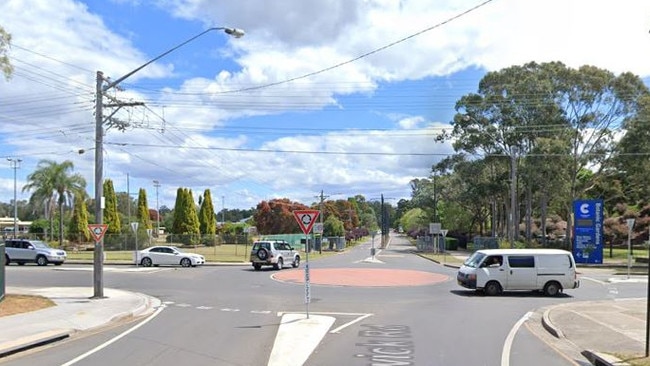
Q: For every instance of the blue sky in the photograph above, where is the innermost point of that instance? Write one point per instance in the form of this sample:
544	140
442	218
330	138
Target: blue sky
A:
219	113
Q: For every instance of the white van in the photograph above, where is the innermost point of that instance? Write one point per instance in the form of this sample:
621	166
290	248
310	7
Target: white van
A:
496	270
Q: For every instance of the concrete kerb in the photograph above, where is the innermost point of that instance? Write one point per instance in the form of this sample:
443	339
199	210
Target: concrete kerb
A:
146	307
602	359
549	326
33	341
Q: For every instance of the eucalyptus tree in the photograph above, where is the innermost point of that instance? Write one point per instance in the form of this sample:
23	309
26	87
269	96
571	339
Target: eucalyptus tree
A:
60	179
513	108
627	177
596	103
518	108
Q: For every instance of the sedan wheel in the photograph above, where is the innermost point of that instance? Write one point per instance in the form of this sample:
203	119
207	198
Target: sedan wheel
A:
147	262
186	262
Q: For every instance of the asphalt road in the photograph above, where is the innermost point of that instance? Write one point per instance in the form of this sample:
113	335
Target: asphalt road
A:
230	315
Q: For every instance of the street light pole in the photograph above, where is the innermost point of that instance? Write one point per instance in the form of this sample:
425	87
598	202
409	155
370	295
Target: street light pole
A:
101	89
513	198
15	165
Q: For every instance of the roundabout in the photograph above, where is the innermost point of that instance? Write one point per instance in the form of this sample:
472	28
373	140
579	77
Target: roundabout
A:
361	277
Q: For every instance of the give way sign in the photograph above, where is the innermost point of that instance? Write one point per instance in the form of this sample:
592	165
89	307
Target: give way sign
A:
306	219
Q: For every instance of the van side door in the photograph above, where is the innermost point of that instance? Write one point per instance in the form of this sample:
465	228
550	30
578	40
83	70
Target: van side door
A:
491	268
521	272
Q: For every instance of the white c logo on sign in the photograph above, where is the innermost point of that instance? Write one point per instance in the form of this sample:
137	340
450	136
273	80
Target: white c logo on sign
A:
584	208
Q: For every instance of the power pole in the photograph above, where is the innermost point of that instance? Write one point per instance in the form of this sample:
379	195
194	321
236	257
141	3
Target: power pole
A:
223	210
98	253
100	94
15	164
322	199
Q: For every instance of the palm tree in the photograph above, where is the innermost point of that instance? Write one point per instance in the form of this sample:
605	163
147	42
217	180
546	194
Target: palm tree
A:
54	180
43	196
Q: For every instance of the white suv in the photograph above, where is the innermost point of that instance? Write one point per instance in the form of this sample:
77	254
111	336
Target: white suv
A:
273	253
22	251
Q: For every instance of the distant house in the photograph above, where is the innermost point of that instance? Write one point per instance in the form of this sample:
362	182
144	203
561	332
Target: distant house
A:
7	225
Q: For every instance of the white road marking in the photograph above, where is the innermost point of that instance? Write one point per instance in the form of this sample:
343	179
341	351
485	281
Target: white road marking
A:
337	330
204	307
594	280
117	338
505	353
228	309
260	311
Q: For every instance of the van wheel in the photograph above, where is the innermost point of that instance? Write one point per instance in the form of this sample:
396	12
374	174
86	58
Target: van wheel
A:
492	288
552	289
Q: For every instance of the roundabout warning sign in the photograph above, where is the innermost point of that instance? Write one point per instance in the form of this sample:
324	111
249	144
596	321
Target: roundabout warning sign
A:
97	231
306	219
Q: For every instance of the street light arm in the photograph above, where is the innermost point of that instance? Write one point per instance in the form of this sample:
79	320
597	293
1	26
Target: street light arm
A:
237	33
100	88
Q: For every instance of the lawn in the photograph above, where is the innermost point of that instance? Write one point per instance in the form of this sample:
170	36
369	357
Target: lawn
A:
619	256
227	253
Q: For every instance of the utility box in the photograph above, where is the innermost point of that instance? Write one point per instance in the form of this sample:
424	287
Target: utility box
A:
2	271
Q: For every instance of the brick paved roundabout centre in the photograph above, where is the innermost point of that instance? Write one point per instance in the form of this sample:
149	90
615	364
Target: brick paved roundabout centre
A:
362	277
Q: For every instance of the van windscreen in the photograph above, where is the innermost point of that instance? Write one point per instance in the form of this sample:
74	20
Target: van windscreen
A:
474	260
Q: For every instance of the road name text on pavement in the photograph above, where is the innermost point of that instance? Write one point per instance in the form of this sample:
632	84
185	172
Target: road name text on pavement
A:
387	345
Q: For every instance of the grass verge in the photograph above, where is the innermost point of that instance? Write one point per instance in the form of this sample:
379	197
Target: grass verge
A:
17	304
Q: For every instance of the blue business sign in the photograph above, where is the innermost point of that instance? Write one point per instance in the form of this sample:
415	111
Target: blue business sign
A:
588	231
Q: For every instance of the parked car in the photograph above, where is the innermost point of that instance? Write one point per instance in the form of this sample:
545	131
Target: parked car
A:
23	251
168	256
273	253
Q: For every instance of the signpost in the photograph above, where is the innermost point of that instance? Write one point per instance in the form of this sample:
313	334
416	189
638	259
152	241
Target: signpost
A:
434	229
306	220
444	244
630	225
134	227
